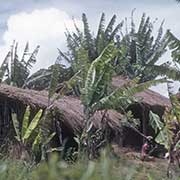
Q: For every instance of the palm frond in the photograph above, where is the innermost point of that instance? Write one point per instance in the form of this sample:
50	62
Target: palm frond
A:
39	80
174	102
25	53
64	56
16	126
170	72
87	33
143	86
142	23
32	126
80	34
132	23
162	130
98	76
115	31
122	97
53	81
4	66
100	35
25	122
110	26
174	46
71	44
32	58
159	51
81	63
157	42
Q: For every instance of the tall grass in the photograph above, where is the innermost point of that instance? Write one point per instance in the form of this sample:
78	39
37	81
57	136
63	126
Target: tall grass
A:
105	168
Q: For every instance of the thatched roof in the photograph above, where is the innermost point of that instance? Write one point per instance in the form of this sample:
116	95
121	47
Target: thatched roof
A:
149	97
70	108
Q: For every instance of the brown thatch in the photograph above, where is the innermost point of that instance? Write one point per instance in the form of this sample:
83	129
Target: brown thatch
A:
70	108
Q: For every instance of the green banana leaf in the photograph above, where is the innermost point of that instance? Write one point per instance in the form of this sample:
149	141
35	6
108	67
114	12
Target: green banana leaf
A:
25	122
32	125
16	126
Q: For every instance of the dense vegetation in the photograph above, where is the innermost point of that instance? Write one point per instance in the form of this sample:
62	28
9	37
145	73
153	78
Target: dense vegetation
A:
93	62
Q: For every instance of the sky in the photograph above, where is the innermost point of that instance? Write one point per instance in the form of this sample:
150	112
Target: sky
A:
43	22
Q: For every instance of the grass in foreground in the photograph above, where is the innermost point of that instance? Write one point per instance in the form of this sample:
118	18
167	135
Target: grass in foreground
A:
106	168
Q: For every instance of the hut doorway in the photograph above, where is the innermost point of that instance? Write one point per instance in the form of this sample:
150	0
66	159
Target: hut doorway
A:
140	111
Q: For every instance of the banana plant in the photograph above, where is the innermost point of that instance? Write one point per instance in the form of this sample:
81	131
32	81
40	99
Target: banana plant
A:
4	68
139	49
24	133
98	94
15	71
30	134
168	131
140	52
84	39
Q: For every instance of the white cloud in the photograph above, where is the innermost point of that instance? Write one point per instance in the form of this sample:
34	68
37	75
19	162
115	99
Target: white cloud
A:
40	27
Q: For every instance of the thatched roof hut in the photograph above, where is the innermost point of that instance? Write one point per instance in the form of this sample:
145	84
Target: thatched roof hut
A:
70	112
70	107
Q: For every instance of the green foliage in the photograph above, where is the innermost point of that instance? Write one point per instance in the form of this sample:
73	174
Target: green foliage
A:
97	93
39	80
15	71
16	127
42	78
88	40
85	41
105	168
169	131
100	34
140	48
4	67
97	84
155	122
33	124
34	135
99	77
54	81
25	122
165	70
140	51
166	131
160	128
27	129
122	97
10	170
174	46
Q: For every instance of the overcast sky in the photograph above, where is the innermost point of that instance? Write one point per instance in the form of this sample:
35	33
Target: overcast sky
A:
42	22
